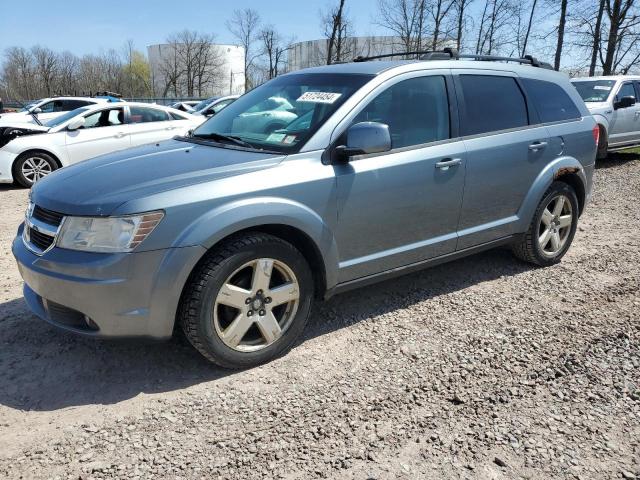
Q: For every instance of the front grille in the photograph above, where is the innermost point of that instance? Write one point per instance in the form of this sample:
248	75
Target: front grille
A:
40	240
47	216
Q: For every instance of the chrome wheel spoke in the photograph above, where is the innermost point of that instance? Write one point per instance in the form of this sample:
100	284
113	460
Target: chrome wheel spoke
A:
559	206
233	296
234	333
261	275
544	238
283	294
555	241
547	217
269	327
565	221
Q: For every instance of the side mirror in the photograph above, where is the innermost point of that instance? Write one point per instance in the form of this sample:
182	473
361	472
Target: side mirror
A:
365	138
76	123
625	102
35	110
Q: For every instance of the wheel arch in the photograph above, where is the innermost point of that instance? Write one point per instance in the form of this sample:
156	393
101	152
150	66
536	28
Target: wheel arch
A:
565	169
37	150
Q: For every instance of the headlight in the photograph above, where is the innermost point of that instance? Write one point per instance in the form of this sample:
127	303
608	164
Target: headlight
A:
107	234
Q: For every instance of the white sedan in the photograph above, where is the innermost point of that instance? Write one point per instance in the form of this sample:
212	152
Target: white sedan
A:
49	108
29	152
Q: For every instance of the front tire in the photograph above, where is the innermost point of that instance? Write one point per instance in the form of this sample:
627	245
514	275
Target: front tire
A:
33	166
552	229
248	301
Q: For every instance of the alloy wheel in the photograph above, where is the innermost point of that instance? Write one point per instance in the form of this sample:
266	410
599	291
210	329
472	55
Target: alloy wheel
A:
256	305
35	168
555	225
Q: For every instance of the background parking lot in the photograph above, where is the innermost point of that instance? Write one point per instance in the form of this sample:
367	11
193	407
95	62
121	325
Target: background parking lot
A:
483	368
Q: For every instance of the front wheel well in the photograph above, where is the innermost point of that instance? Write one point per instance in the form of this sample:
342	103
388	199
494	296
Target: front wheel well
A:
299	240
38	150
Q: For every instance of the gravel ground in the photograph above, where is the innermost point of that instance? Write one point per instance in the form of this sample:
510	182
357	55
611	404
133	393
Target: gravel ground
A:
484	368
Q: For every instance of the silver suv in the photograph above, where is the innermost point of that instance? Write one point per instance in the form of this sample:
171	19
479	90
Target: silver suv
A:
613	102
381	168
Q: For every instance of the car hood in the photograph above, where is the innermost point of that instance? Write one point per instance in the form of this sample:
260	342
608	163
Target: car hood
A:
12	130
99	186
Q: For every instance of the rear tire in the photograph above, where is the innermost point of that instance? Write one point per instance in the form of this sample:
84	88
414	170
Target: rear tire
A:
248	301
31	167
552	229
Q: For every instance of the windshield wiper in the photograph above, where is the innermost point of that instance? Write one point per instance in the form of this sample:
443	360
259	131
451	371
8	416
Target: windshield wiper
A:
227	138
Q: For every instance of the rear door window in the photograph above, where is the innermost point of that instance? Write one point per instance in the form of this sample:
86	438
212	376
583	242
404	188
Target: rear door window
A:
416	111
551	101
491	103
146	115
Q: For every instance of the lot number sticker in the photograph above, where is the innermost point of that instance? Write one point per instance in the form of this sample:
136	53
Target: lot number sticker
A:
319	97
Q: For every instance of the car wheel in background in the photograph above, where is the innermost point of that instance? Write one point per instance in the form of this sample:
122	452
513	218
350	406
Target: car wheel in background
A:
248	301
552	228
32	166
603	145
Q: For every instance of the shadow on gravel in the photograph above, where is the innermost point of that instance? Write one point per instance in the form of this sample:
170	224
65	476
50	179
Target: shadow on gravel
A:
9	186
44	369
616	159
402	292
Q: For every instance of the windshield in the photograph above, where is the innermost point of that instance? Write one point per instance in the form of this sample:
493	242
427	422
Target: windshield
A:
54	122
282	114
594	90
28	106
200	105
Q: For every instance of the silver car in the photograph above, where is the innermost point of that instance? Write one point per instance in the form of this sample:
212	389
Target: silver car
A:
614	103
231	232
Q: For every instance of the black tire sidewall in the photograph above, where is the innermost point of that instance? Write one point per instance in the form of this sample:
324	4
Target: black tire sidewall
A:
17	167
214	345
553	191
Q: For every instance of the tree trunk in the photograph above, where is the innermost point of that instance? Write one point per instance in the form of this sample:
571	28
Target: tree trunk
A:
561	26
596	39
337	27
526	36
612	40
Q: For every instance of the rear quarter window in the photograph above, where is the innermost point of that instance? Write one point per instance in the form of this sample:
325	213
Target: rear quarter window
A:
491	103
551	101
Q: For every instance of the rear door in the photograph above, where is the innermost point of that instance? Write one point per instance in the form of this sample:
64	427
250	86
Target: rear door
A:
104	132
507	147
625	126
149	124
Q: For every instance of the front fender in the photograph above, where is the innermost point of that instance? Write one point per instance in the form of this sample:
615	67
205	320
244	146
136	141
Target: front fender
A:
559	167
217	224
602	121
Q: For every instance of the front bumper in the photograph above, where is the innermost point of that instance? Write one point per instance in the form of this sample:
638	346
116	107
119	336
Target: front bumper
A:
6	165
106	295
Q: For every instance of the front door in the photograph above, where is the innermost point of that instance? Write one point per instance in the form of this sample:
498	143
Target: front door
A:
625	126
103	132
402	207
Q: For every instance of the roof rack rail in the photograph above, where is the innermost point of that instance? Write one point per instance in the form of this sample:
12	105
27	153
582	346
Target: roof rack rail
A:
453	54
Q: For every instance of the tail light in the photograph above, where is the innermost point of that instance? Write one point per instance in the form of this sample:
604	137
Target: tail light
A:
596	134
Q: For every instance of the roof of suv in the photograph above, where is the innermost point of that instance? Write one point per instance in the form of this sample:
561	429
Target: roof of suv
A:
377	67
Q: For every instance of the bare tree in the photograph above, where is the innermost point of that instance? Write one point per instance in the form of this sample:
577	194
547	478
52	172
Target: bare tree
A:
622	38
596	39
406	19
529	25
561	27
461	7
496	15
438	9
273	48
335	30
244	25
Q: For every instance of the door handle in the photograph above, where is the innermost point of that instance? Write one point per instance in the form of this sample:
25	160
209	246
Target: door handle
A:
119	134
448	162
535	146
